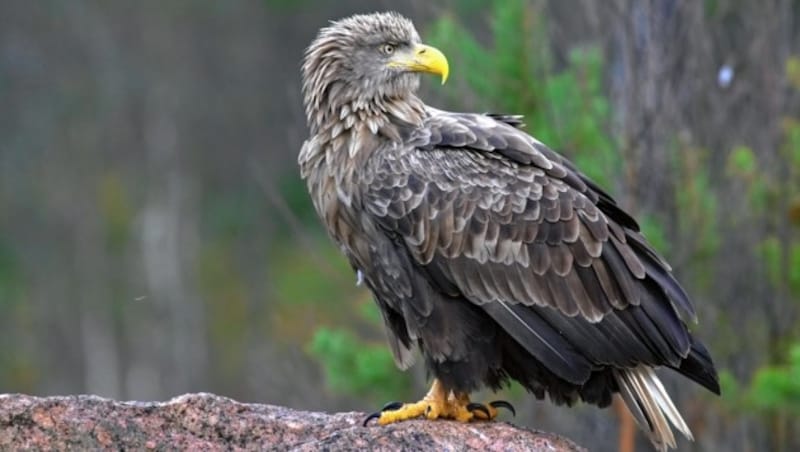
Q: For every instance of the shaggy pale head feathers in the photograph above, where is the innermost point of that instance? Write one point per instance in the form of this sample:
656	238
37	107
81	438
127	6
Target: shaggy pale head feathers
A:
363	67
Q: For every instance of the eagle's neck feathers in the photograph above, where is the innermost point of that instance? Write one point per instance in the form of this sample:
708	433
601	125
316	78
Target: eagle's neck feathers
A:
344	135
382	116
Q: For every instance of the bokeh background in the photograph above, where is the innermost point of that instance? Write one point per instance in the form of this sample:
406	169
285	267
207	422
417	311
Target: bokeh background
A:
155	238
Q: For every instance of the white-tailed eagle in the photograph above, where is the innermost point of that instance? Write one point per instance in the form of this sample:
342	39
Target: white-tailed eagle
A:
487	250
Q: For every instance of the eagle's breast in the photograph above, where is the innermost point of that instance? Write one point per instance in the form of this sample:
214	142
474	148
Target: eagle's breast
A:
334	168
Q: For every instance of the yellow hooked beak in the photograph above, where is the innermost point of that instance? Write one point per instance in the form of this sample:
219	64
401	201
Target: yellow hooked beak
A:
423	58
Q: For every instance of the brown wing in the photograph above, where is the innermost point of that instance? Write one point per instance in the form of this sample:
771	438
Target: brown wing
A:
491	215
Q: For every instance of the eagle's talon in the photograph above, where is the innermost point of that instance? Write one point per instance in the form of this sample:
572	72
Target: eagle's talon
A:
391	406
375	415
503	404
480	407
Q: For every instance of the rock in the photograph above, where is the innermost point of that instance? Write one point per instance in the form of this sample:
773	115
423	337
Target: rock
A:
209	423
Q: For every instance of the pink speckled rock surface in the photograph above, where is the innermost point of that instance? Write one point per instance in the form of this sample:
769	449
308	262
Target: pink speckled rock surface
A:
210	423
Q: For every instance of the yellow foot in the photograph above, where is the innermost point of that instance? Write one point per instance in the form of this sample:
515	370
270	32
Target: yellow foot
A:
439	403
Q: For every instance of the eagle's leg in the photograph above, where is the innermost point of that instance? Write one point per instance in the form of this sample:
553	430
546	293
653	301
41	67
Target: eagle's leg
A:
439	403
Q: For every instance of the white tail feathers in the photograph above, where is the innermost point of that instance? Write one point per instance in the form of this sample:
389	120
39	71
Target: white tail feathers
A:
650	405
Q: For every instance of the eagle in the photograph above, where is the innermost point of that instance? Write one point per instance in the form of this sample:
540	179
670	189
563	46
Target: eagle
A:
488	251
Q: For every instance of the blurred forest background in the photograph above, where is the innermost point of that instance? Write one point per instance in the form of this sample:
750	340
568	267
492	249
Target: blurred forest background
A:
155	238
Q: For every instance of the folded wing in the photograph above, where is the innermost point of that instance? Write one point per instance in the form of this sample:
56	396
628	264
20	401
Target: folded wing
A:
491	215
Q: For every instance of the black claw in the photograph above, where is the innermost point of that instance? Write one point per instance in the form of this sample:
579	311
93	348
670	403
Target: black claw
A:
391	406
372	416
503	404
479	407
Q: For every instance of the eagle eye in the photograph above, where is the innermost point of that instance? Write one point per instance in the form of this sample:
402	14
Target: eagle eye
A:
388	49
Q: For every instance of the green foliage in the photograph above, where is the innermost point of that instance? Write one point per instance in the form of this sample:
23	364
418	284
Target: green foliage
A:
773	196
772	388
743	165
352	364
581	119
734	399
742	162
780	253
358	368
791	141
293	191
697	202
772	253
299	280
653	229
567	109
316	287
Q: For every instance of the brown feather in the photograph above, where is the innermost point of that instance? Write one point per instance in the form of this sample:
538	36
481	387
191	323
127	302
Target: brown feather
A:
578	293
561	259
609	285
631	260
540	257
560	292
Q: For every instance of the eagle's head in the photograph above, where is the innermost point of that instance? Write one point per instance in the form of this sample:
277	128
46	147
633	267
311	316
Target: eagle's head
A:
362	63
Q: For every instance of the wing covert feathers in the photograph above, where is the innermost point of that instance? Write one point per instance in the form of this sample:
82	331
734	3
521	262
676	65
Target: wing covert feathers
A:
502	217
